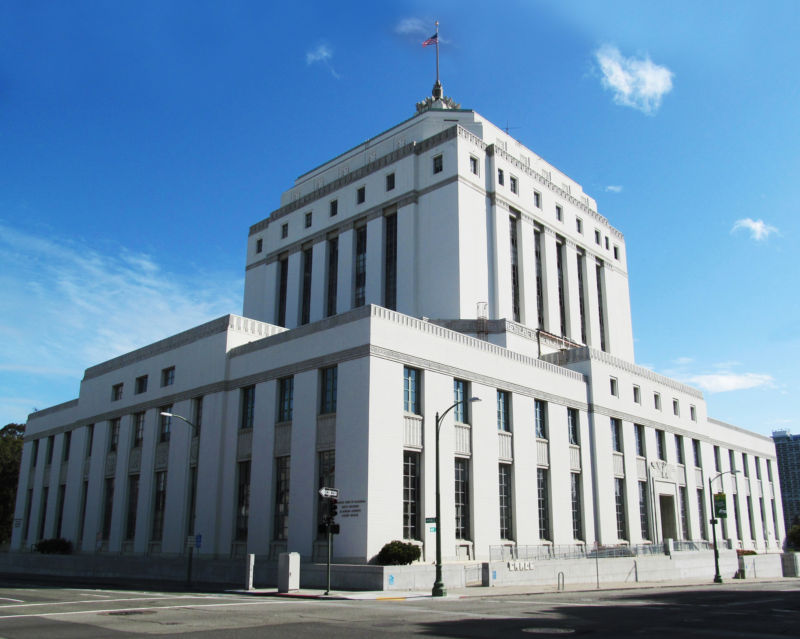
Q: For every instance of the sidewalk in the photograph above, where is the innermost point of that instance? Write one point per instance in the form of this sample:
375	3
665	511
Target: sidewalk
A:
491	591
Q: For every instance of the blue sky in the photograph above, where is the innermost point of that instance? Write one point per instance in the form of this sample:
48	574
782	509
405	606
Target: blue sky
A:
138	142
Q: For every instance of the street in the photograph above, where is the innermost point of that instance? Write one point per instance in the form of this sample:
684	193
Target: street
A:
753	609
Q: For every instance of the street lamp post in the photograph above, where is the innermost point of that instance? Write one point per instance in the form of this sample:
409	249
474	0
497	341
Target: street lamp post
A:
191	497
438	585
711	480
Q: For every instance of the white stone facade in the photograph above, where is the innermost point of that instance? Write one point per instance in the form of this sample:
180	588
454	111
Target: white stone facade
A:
336	376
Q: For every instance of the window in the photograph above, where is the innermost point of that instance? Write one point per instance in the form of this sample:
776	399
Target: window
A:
67	444
89	442
328	394
540	418
693	413
745	465
333	207
573	426
168	376
461	395
661	445
513	184
559	213
43	511
165	423
280	528
600	306
644	519
616	435
283	279
616	252
732	460
473	164
259	245
619	507
242	501
560	276
62	493
769	470
537	248
696	449
390	182
676	407
360	266
247	406
108	507
48	456
758	468
581	257
501	180
701	510
606	242
537	199
116	392
750	519
597	237
656	401
614	387
141	385
197	415
503	418
308	219
543	504
437	164
113	436
577	511
512	222
326	478
411	388
159	505
285	399
679	449
308	265
361	195
133	504
138	429
638	432
410	495
504	480
390	261
637	395
462	498
579	225
717	459
284	230
333	275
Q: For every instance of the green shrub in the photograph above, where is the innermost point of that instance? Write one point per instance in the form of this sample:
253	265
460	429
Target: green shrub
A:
793	537
398	553
54	547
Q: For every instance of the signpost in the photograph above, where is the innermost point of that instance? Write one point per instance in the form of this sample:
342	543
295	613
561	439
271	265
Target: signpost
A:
720	506
331	528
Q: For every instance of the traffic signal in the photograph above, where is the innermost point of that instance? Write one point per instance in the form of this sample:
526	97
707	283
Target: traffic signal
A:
334	509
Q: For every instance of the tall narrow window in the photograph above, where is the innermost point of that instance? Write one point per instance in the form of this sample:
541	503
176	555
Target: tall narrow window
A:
197	415
616	435
540	418
638	432
390	262
581	300
168	376
644	518
308	265
67	445
27	519
190	516
600	305
285	399
573	426
43	511
35	452
503	418
750	519
133	504
283	277
84	501
159	505
504	478
108	506
619	507
333	275
62	492
333	207
737	518
165	423
763	518
543	503
537	245
661	446
683	507
247	406
438	165
717	459
577	510
48	455
138	429
460	395
113	437
242	501
361	266
390	182
462	498
328	394
701	510
411	495
411	377
326	478
562	306
679	449
280	529
514	269
696	449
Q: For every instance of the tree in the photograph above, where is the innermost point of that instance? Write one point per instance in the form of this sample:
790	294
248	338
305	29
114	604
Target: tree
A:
793	537
10	457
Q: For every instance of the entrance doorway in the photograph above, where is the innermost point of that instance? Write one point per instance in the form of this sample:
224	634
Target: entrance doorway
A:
669	527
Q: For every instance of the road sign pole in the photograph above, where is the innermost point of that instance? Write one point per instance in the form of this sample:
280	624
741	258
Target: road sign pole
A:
330	541
189	568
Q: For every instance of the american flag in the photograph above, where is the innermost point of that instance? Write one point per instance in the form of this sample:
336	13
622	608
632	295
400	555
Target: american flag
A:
434	39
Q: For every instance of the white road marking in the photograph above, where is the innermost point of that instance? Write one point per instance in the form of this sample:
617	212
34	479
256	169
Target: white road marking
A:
10	599
94	601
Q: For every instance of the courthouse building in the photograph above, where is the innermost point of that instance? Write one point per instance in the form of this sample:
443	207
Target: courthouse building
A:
440	260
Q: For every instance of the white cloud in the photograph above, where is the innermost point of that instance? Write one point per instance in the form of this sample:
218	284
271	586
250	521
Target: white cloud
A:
759	230
724	382
413	26
634	82
682	361
322	54
614	189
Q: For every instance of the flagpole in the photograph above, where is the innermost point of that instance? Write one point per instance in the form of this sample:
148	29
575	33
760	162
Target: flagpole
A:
437	52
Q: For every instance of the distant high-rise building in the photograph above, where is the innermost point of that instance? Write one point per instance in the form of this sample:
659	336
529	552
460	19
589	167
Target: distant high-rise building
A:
787	447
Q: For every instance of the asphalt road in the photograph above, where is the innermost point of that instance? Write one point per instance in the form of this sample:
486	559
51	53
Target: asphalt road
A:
760	610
